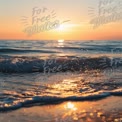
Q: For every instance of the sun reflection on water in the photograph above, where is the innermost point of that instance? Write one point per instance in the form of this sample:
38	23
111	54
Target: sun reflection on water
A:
70	106
61	43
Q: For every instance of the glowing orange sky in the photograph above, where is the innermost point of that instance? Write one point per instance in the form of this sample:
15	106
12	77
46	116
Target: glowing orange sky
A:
78	28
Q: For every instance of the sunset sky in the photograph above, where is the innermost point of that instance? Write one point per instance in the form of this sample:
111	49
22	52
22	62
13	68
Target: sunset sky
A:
17	15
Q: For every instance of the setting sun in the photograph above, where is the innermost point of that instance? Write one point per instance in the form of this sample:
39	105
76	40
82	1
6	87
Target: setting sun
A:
63	27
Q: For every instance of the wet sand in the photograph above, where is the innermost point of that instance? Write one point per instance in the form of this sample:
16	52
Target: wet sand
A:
105	110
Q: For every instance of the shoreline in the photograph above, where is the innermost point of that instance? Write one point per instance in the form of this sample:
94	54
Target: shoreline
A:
105	110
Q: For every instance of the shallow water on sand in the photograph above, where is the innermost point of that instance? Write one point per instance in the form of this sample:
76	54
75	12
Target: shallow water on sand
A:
106	110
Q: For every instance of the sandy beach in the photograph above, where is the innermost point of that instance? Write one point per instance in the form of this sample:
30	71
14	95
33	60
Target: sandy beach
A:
105	110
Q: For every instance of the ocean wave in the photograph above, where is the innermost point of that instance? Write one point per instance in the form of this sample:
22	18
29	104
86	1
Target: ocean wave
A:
5	50
94	48
58	64
44	100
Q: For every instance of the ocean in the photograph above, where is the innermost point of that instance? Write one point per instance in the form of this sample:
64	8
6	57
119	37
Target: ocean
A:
40	72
